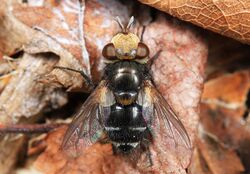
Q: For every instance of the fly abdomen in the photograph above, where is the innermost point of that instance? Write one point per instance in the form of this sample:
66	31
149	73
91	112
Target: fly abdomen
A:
125	134
125	116
125	126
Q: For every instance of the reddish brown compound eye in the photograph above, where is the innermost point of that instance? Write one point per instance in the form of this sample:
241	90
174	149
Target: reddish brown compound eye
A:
142	50
109	51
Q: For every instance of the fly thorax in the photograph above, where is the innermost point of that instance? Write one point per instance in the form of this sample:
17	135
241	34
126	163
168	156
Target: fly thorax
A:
126	83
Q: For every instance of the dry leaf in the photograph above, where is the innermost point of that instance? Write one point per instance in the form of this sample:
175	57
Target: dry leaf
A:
222	110
198	164
8	157
63	22
24	99
222	92
217	156
229	18
7	71
13	34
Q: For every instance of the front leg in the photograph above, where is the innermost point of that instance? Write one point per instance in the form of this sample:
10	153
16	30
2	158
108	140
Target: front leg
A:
86	78
152	60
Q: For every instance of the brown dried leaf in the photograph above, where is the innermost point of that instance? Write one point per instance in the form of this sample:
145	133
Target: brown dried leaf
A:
229	18
8	157
217	156
7	71
59	29
198	164
24	99
13	34
228	93
222	91
222	114
25	96
63	22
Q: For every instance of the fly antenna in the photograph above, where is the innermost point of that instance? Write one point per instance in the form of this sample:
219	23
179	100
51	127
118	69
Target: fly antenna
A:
130	22
118	20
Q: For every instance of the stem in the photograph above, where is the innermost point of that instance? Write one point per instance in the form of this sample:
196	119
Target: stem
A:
29	128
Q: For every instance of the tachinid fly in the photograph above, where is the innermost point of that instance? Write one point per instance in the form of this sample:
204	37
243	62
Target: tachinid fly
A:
125	108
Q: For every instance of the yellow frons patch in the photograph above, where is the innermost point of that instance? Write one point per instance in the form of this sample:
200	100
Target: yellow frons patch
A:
126	43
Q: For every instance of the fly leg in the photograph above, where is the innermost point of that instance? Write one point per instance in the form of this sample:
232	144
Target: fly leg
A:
146	143
142	33
152	60
104	139
86	78
115	152
149	157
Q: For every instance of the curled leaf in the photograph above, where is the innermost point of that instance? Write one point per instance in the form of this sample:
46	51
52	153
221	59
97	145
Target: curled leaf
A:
229	18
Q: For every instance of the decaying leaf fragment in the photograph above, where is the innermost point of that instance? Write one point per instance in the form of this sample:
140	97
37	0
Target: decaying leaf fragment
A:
214	158
23	99
223	132
59	30
229	18
223	110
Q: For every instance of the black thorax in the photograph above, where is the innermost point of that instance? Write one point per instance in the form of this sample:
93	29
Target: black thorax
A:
125	79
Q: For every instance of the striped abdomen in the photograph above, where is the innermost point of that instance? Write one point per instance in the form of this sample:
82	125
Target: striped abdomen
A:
125	126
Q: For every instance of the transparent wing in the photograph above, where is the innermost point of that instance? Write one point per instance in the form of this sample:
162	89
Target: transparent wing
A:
161	118
87	125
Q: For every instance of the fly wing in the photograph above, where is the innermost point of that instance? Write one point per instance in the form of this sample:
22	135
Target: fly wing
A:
87	125
161	119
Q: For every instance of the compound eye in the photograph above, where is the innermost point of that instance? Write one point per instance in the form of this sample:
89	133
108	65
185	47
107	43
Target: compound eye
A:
142	50
109	51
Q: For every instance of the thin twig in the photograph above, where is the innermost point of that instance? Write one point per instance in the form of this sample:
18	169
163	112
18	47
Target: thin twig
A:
29	128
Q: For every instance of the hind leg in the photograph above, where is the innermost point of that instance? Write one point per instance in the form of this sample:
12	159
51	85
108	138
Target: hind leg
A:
114	149
145	149
149	156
